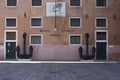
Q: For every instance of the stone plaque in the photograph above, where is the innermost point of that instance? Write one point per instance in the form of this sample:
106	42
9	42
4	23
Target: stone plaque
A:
56	9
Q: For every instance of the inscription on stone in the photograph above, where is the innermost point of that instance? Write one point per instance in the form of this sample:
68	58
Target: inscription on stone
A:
55	35
44	30
67	30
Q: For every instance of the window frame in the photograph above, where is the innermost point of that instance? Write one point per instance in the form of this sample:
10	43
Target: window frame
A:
36	35
36	26
101	6
12	6
101	18
75	35
75	26
10	18
76	6
37	6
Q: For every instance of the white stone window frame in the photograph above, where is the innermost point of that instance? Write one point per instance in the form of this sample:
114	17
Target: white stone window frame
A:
10	18
36	6
36	35
76	6
12	6
101	18
101	6
76	35
75	26
36	26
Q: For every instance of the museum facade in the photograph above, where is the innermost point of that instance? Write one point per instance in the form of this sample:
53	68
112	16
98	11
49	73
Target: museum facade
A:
56	29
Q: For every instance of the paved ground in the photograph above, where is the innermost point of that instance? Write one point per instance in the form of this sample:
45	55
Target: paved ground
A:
61	71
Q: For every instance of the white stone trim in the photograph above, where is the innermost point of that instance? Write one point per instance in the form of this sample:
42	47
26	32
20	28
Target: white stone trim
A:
76	6
101	18
75	26
12	6
36	26
36	35
76	35
11	18
36	6
101	6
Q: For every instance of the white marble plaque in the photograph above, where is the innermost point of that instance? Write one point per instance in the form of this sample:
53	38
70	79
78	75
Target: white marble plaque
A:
56	9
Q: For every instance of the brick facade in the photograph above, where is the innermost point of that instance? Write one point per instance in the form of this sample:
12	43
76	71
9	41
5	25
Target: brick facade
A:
56	44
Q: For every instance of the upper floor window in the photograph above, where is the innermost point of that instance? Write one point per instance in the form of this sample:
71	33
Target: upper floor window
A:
11	2
101	3
36	2
11	22
75	2
36	22
75	22
101	22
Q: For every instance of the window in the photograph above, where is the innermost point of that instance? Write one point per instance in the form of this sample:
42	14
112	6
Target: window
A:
101	22
75	39
36	39
36	2
36	22
11	2
10	35
75	22
75	2
101	35
10	22
101	3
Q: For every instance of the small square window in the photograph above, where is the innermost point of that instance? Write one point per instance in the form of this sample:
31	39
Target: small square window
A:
11	2
101	3
36	22
101	23
11	22
75	39
36	2
75	2
75	22
101	35
36	39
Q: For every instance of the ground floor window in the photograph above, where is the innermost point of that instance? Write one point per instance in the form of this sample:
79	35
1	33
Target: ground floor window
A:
36	39
75	39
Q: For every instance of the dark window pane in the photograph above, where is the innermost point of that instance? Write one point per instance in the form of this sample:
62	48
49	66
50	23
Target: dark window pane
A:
101	35
101	2
74	2
75	22
10	36
35	39
11	2
75	40
36	22
11	22
36	2
101	22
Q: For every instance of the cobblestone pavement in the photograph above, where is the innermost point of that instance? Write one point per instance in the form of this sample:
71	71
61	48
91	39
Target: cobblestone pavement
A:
62	71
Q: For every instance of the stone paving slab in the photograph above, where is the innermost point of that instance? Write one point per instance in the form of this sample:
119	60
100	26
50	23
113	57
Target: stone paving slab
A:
59	71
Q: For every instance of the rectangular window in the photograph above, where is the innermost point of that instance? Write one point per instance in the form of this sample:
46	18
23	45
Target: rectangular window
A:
75	22
36	22
101	3
101	22
75	2
10	35
10	22
36	39
101	36
36	2
11	2
75	39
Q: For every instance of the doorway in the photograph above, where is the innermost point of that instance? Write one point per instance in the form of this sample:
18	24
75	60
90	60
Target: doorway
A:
10	44
101	45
